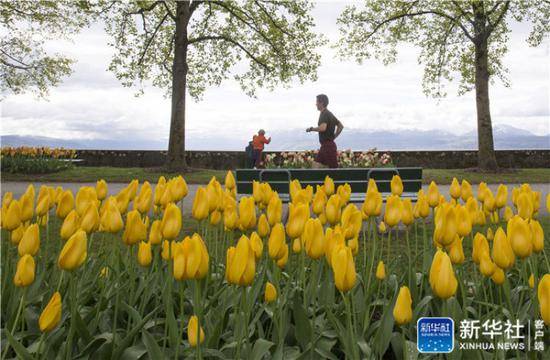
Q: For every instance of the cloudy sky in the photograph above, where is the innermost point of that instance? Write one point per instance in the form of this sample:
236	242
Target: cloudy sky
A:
91	104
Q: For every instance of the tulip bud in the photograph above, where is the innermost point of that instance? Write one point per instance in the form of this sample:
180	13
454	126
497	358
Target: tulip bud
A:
51	315
65	204
70	225
456	252
179	190
229	180
407	216
314	239
17	234
393	212
402	311
328	186
442	277
498	276
343	267
433	195
24	274
382	227
296	246
145	256
525	206
455	190
332	209
274	210
464	226
74	252
101	189
486	265
503	255
276	242
519	233
193	330
396	185
344	192
90	219
298	215
537	236
490	234
502	196
257	245
531	281
381	270
168	250
281	262
230	218
155	235
263	226
270	293
466	191
30	242
247	213
12	219
372	206
319	201
543	292
171	222
241	263
111	219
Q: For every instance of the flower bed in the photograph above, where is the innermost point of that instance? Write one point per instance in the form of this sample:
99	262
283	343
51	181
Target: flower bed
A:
346	159
36	160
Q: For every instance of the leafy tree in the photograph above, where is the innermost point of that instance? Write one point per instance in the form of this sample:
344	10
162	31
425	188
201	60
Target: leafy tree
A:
465	38
26	27
189	46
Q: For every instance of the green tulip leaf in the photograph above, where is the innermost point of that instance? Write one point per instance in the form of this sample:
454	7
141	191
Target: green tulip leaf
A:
260	349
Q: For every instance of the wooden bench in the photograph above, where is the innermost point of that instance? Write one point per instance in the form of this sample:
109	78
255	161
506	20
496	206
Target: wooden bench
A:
357	178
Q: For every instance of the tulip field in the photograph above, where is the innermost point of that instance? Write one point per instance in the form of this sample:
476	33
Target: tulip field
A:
129	275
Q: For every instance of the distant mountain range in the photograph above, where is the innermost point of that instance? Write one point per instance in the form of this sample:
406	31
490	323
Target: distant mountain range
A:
506	138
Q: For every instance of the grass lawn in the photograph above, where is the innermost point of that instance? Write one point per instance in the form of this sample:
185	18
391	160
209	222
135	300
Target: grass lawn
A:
112	174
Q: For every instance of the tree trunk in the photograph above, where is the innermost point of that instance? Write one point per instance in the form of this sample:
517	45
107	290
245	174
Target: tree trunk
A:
486	149
176	144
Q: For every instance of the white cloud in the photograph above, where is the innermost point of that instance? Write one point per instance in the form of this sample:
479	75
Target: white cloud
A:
93	104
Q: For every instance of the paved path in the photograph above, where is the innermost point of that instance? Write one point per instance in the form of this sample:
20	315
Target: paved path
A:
19	188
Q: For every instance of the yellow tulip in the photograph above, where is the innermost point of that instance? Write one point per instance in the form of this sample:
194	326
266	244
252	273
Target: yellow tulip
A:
230	180
455	190
51	315
502	254
502	196
480	246
446	224
215	217
433	195
277	243
372	206
490	234
193	330
396	185
472	207
296	246
537	236
263	226
464	226
168	249
143	201
344	192
12	220
525	206
159	192
17	234
135	230
343	267
43	205
214	194
380	270
548	202
543	292
241	263
171	222
101	189
27	207
407	216
7	199
74	252
132	189
155	234
179	190
519	233
486	265
24	274
442	276
145	255
123	200
465	191
270	293
293	188
230	218
84	196
482	191
257	245
70	225
281	263
30	242
298	215
267	193
90	219
456	251
531	281
498	276
508	213
423	206
332	209
402	311
319	201
274	210
247	213
314	238
382	227
111	219
392	214
328	186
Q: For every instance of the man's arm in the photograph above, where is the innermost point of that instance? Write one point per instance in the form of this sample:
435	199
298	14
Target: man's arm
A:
339	128
320	128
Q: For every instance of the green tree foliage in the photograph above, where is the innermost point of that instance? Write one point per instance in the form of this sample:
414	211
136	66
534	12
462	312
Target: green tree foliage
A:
27	26
189	46
464	39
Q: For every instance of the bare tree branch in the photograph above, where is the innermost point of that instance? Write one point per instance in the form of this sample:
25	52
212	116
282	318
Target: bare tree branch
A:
492	26
151	38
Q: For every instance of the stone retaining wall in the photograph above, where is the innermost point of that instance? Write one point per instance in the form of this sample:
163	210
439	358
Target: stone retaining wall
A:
236	159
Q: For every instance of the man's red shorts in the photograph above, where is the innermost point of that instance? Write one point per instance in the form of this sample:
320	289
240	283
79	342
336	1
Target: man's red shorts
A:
327	154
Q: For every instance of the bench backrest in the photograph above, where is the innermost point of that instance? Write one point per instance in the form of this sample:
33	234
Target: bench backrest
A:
357	178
